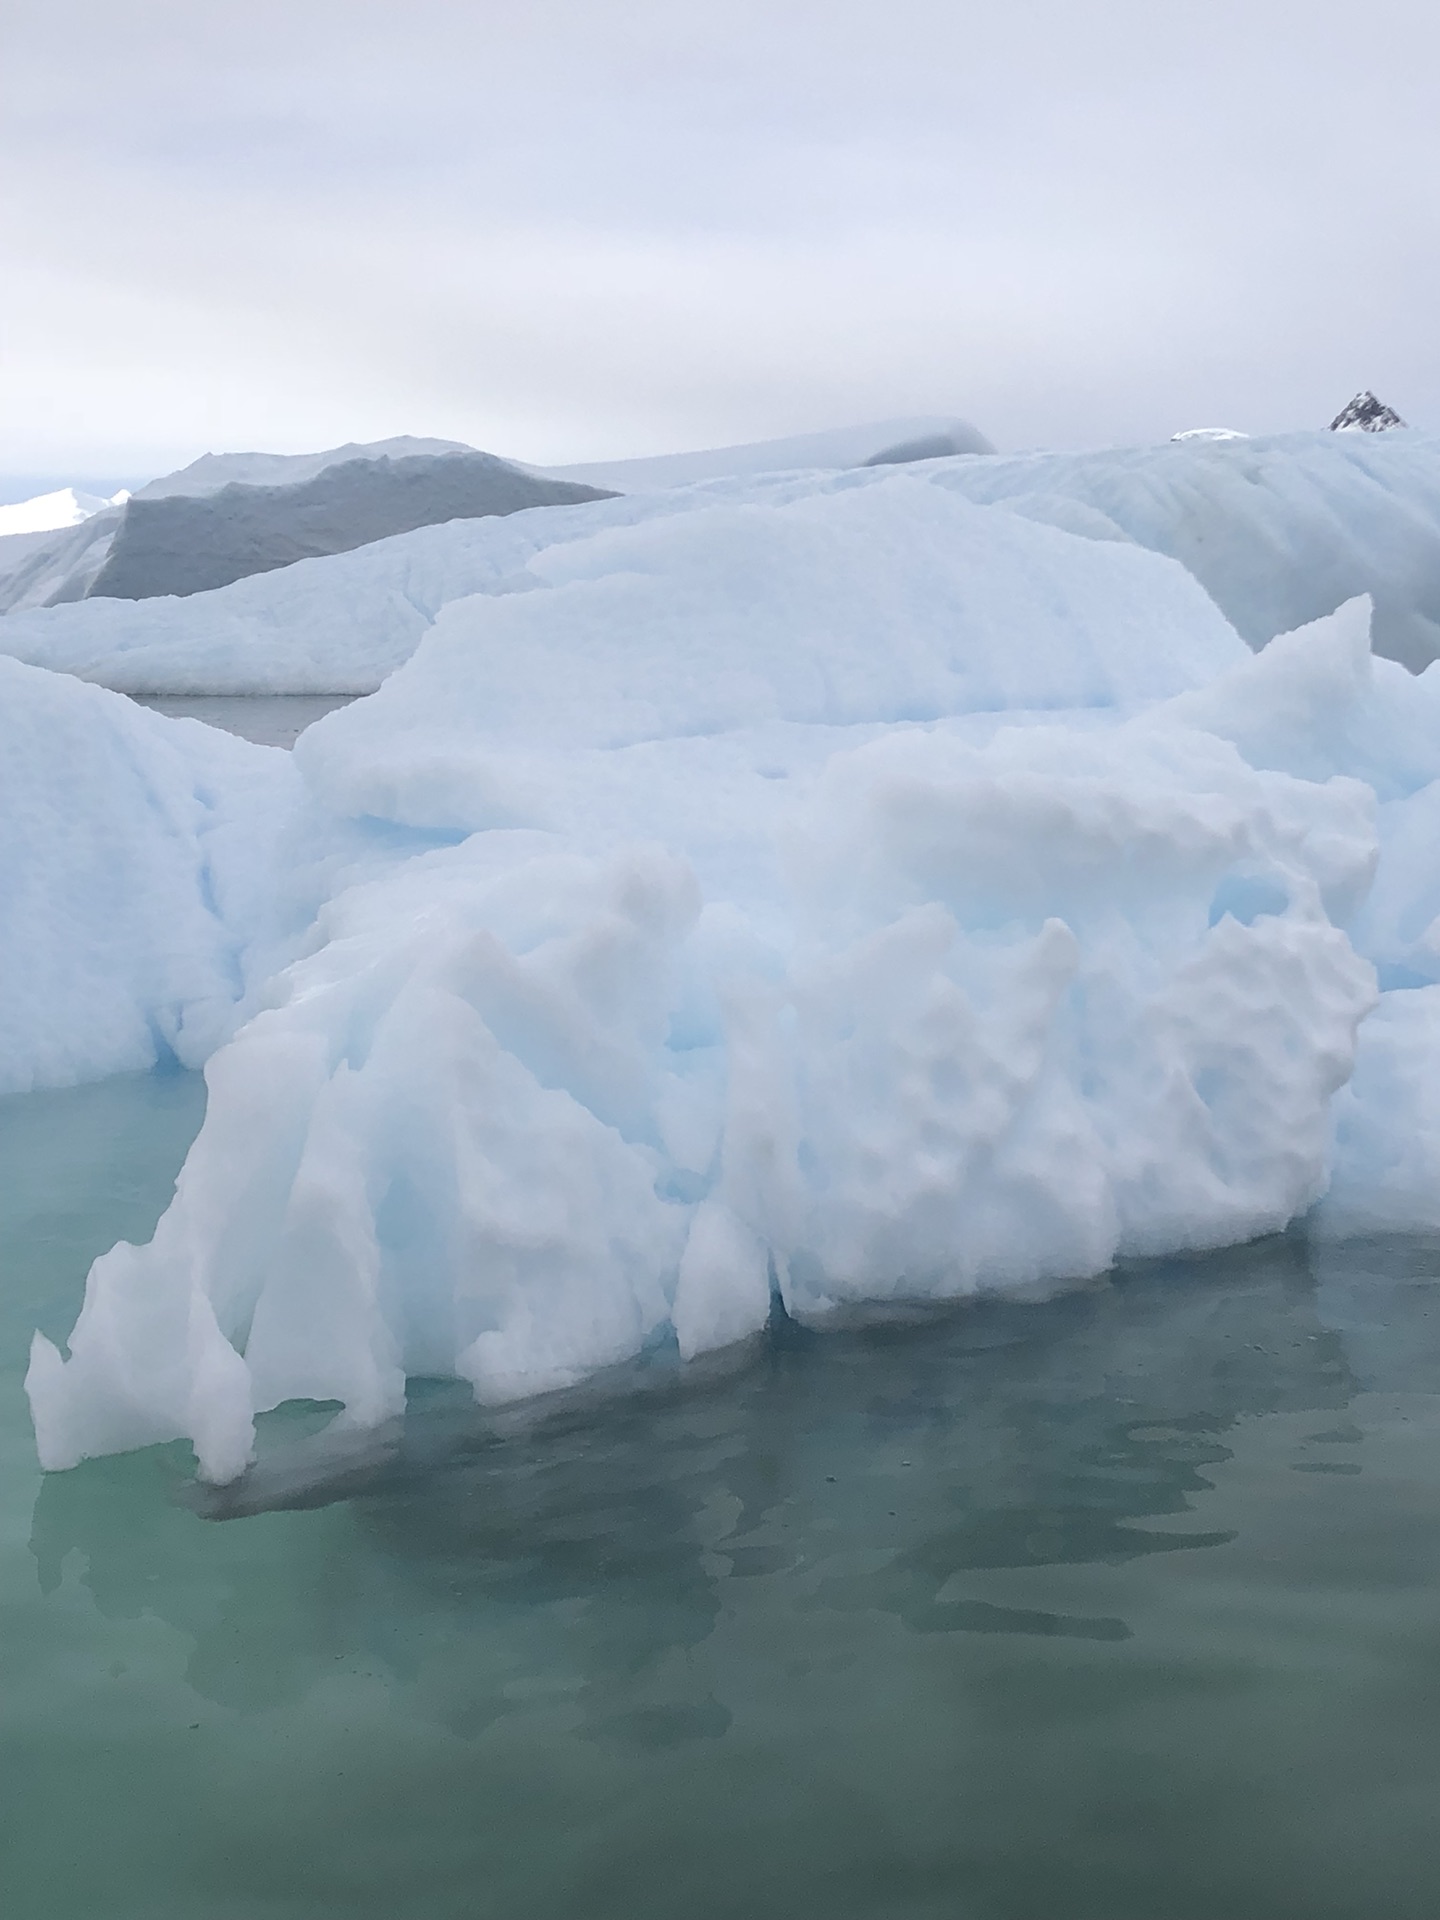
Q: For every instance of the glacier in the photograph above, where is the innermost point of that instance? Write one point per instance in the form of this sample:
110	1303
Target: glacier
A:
830	890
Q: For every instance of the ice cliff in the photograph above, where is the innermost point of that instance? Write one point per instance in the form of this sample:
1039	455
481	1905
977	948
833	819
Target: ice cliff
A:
229	517
184	544
831	888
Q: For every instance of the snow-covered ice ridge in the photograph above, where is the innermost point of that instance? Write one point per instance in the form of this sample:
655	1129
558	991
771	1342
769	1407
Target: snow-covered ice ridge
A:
1277	531
830	887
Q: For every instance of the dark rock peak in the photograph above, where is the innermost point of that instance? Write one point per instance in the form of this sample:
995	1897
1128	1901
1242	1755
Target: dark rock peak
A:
1367	414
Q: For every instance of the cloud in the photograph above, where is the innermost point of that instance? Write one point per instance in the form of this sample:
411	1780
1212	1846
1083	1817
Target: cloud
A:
581	229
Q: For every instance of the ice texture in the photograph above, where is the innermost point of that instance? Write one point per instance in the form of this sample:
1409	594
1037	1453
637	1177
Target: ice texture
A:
1279	532
212	471
55	567
185	544
830	448
231	516
45	512
828	889
136	868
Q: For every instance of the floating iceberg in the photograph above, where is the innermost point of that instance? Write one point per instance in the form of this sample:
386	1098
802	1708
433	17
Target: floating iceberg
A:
834	891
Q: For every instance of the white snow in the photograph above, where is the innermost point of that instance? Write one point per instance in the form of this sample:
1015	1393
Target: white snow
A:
66	507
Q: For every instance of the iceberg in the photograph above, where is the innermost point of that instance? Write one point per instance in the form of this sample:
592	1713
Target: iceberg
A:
184	543
46	512
801	894
56	565
136	869
1279	532
918	437
212	471
229	516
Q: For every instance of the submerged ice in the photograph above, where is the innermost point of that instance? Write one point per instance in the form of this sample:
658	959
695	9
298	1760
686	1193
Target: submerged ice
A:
830	888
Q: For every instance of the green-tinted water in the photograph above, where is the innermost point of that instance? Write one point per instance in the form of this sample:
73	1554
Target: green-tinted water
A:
1123	1607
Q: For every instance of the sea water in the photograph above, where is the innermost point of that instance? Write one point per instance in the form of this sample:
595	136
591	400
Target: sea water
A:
269	719
1121	1606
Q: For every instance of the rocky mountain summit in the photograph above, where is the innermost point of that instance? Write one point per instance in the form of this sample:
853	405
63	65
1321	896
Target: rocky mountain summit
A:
1365	414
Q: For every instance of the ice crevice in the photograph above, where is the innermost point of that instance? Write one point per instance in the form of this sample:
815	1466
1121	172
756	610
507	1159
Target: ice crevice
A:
541	1023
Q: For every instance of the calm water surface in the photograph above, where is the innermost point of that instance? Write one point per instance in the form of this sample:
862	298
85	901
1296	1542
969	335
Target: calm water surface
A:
1121	1607
269	719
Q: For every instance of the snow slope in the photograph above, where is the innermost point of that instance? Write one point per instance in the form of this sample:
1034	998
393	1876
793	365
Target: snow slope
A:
842	891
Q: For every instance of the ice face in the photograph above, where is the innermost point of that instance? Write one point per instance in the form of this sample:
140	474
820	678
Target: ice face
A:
842	892
136	872
185	543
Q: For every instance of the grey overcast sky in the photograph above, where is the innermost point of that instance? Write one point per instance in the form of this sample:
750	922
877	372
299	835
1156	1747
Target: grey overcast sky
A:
563	229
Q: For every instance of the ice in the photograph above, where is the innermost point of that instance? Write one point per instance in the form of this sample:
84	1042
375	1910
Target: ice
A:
338	624
894	602
57	566
212	471
1279	531
332	625
833	447
187	543
833	891
45	512
135	870
1386	1162
182	539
